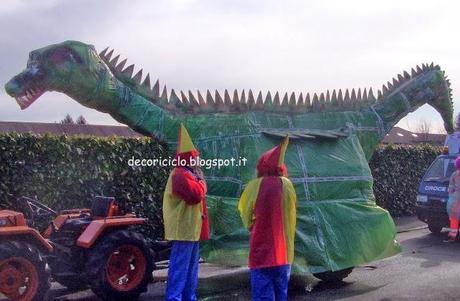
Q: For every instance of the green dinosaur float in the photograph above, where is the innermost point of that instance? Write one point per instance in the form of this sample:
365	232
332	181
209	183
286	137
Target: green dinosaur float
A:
333	136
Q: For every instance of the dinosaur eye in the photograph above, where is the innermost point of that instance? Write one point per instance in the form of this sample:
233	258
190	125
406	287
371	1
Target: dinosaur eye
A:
64	55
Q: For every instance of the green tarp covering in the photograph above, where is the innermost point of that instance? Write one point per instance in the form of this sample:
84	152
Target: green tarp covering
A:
338	223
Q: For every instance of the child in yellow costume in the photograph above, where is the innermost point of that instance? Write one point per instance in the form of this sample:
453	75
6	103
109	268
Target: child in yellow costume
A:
186	220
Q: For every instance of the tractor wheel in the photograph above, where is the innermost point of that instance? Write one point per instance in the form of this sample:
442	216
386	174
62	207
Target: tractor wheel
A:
23	272
336	276
120	266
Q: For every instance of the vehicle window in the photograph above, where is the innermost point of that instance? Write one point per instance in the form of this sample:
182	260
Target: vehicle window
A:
440	170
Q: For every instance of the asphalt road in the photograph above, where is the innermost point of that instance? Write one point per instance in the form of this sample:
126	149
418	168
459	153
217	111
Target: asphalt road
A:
427	269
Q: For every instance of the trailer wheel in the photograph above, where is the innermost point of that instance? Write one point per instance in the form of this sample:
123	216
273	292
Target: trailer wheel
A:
120	266
23	273
336	276
435	228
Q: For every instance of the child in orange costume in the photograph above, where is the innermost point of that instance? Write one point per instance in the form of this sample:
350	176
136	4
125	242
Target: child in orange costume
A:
268	209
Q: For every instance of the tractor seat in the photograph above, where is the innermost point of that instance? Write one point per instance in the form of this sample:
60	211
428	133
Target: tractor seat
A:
101	206
75	224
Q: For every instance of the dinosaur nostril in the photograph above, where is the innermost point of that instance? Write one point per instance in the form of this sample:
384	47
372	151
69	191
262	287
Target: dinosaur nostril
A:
12	87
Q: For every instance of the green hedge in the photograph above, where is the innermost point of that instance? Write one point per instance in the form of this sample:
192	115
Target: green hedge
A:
68	172
397	171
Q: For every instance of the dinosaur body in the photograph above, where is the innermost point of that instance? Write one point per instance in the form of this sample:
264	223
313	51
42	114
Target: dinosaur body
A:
333	136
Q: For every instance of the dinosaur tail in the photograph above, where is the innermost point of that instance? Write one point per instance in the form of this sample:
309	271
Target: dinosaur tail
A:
425	85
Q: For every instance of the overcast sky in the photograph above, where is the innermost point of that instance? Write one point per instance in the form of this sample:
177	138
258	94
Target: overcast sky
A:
300	46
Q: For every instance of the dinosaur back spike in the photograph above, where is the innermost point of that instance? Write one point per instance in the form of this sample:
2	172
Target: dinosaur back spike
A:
156	89
146	82
138	77
113	62
251	101
120	66
129	71
103	52
227	99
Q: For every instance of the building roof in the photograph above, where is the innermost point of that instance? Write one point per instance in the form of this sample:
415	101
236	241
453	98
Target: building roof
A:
398	135
67	129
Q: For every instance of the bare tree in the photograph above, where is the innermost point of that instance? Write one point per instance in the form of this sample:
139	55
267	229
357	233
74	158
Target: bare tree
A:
67	120
81	120
423	130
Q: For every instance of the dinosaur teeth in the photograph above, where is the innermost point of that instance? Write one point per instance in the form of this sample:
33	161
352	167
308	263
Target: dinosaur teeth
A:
28	97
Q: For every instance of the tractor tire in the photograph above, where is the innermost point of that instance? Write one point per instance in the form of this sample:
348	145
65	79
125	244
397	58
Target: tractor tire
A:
120	266
333	277
23	272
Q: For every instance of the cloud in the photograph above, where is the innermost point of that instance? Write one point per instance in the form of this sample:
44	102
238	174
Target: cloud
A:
278	45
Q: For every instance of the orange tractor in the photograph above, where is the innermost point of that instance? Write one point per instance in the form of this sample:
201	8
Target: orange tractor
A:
96	248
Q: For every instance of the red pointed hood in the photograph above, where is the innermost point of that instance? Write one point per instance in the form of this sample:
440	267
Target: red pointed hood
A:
271	163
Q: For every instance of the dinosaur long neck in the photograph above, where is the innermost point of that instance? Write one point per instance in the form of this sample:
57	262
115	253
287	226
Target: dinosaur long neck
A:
118	99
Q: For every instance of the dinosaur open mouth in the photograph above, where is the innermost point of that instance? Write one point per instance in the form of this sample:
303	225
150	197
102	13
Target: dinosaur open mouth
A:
28	97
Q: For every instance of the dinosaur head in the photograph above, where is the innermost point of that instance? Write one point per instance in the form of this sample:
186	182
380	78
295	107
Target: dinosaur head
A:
71	67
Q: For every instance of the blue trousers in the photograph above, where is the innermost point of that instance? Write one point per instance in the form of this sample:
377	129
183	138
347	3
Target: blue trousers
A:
183	271
270	284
